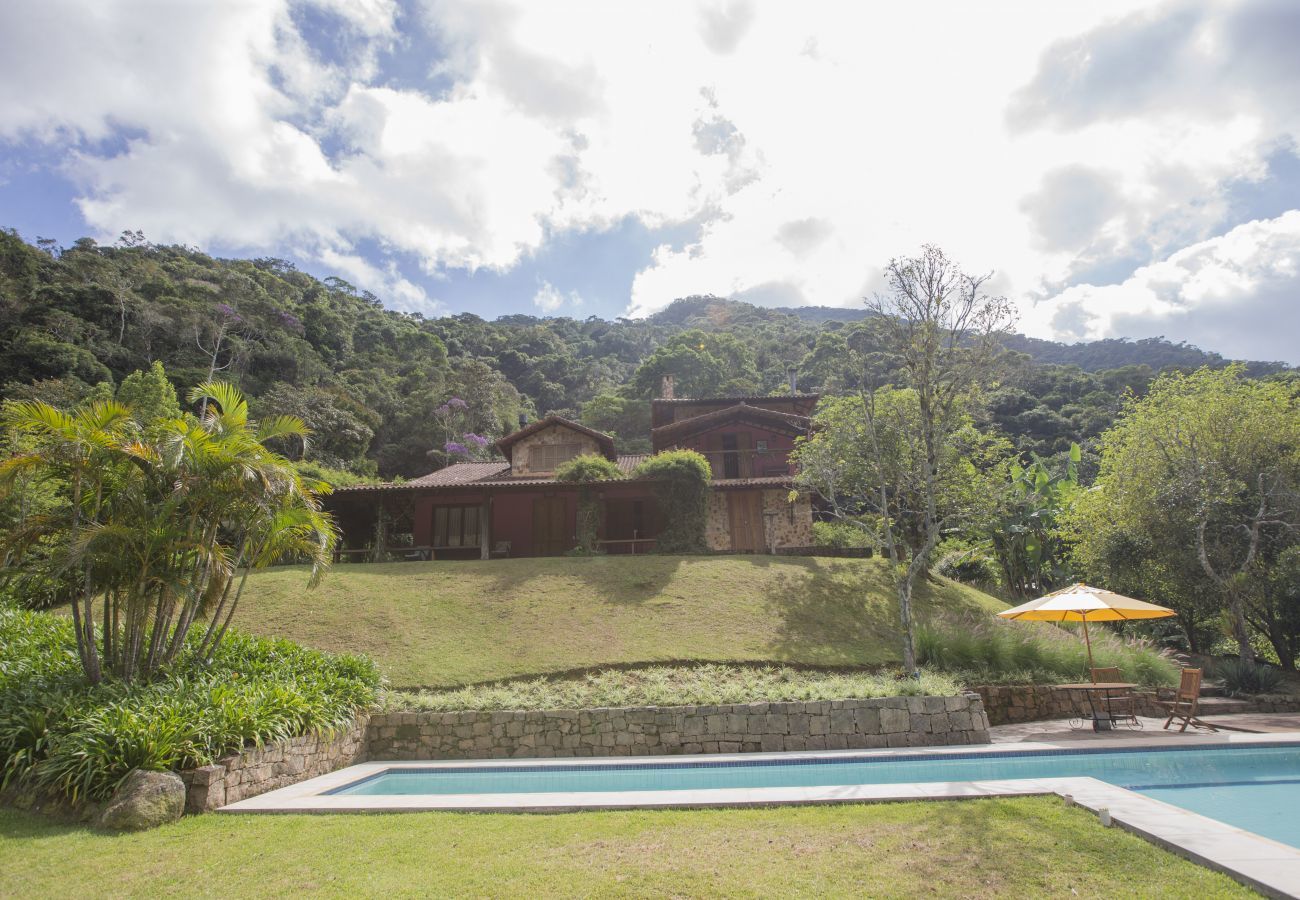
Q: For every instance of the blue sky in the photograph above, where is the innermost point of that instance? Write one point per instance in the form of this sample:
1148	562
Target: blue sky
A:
1125	169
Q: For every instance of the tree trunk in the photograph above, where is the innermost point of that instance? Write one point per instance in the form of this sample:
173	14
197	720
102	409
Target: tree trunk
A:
908	628
1240	632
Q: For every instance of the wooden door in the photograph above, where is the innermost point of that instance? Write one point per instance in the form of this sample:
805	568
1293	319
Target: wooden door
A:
746	514
550	531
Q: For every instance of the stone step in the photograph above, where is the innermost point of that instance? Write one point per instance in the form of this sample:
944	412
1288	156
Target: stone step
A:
1221	706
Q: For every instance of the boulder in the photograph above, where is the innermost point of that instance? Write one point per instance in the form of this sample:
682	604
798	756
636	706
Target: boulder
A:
145	800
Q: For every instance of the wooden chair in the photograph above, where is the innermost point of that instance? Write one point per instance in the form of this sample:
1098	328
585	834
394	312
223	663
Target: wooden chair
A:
1185	702
1121	705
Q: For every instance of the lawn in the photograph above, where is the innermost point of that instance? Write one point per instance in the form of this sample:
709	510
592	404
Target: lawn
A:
974	848
439	624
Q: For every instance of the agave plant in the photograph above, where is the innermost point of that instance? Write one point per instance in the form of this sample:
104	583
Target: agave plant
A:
162	524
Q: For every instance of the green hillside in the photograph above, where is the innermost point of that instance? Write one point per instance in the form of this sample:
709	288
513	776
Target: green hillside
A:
448	623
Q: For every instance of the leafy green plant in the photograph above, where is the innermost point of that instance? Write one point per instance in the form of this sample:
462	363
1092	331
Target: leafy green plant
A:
1026	537
62	735
1241	677
681	491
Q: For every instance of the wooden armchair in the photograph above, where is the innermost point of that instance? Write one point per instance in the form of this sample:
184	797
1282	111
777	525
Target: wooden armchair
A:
1120	704
1185	701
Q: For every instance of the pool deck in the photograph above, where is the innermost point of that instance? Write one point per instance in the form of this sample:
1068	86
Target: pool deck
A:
1054	731
1266	865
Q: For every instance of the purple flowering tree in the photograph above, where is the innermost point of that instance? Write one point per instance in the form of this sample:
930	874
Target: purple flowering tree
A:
460	443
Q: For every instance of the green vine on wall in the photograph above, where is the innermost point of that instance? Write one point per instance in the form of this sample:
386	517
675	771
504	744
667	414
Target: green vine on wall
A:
682	492
586	471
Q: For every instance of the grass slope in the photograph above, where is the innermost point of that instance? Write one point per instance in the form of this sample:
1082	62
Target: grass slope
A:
1013	847
440	624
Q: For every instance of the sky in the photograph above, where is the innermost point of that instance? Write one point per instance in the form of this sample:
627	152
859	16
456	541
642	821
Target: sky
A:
1124	169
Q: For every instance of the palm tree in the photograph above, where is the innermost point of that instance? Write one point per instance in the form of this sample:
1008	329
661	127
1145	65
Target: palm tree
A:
80	450
183	511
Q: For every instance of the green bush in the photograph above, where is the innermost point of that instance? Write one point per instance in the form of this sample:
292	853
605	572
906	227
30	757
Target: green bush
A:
841	535
707	685
62	735
587	468
984	651
1247	677
682	493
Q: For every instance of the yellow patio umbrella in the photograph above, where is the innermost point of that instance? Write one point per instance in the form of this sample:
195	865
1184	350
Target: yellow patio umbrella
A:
1084	603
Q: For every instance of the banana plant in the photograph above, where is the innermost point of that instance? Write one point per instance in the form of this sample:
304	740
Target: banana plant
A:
1025	540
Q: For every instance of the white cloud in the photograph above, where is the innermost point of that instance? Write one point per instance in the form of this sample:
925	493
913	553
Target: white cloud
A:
549	300
809	143
1236	293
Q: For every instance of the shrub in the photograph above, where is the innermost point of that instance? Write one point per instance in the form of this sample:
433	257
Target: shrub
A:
982	650
840	535
63	735
681	491
586	469
969	567
1240	677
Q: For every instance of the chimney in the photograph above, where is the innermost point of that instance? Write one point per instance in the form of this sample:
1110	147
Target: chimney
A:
666	391
523	420
794	380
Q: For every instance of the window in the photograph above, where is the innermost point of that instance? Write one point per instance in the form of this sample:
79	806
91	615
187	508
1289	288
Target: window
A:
546	457
455	526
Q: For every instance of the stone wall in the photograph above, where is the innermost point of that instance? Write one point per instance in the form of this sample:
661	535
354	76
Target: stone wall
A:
717	522
741	728
790	523
272	766
521	453
1006	704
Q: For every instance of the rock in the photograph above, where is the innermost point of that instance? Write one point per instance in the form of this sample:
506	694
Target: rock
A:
145	800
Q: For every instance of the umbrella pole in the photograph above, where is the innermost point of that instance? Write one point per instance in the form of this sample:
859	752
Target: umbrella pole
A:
1088	641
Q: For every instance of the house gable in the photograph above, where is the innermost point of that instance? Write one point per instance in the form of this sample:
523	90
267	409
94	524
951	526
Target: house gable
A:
539	448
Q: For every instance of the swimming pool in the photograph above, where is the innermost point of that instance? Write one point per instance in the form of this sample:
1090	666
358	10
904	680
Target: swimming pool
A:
1254	787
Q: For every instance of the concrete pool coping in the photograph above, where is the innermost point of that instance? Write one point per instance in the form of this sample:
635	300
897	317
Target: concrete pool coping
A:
1266	865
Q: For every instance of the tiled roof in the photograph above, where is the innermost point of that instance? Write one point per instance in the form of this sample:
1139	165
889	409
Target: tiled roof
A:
497	475
753	399
461	473
626	463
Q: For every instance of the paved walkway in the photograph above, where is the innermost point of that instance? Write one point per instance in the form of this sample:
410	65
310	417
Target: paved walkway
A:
1057	730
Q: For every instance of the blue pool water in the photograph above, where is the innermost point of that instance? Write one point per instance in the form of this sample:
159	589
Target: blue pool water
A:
1256	788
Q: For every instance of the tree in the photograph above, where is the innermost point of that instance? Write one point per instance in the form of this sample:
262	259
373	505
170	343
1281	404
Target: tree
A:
626	420
149	395
162	524
701	364
1206	467
941	335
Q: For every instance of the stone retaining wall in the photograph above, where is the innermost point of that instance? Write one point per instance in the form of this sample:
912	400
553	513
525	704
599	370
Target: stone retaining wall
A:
741	728
1006	704
272	766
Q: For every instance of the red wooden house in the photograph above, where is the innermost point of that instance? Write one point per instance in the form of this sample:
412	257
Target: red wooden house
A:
515	507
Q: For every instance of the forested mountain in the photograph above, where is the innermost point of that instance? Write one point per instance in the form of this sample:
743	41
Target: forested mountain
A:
373	382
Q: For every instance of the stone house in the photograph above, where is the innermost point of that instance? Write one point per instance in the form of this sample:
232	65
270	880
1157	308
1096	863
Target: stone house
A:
515	507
